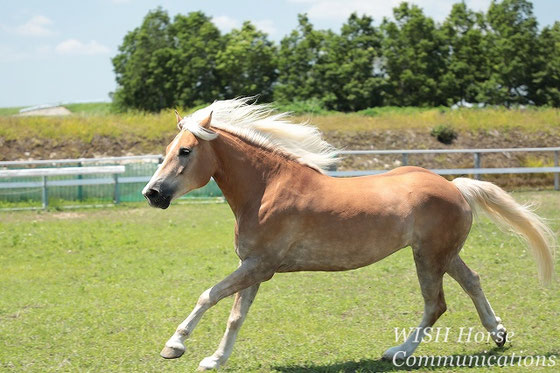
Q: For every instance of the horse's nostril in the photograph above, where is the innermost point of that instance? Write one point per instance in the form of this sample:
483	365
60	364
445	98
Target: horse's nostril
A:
151	193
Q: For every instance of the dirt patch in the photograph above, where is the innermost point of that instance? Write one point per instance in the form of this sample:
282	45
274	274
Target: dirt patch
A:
466	140
422	140
99	146
67	215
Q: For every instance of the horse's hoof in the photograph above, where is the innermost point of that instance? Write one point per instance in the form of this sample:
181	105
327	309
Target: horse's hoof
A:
501	338
208	363
171	352
394	353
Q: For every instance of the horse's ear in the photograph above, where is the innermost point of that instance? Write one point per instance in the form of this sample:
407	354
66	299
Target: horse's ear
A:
178	117
206	122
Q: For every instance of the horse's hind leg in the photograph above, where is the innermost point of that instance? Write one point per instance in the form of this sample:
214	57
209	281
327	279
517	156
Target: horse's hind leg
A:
470	282
430	274
241	304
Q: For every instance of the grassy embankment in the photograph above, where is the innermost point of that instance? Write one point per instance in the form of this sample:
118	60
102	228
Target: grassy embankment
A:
96	130
98	119
79	294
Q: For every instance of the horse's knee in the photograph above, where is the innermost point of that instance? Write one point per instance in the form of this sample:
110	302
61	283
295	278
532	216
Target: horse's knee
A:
205	300
235	321
472	283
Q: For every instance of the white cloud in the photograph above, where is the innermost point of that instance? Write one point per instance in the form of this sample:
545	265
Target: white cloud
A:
478	5
36	26
76	47
225	23
339	10
121	1
266	25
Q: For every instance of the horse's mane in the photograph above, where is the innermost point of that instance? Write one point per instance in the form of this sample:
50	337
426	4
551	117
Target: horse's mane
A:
258	124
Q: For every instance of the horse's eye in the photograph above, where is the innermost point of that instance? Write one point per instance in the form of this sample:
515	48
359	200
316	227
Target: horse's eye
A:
184	151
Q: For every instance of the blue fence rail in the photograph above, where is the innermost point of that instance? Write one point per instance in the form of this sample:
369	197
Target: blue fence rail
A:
127	186
82	188
477	171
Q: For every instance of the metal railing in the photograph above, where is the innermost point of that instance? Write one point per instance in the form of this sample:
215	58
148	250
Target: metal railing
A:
477	170
23	182
45	173
54	162
133	180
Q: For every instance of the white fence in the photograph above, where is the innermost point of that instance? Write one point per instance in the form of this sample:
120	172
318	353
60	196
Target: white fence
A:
44	173
29	168
477	170
82	161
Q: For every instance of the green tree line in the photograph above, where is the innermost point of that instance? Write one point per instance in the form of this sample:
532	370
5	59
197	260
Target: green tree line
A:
497	57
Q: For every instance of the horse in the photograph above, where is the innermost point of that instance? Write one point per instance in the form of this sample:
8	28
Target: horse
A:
290	216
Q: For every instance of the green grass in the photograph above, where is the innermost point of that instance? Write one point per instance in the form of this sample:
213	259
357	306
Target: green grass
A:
91	108
98	119
10	110
87	108
501	119
102	290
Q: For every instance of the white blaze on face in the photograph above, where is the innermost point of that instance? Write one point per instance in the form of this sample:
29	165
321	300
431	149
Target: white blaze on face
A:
172	150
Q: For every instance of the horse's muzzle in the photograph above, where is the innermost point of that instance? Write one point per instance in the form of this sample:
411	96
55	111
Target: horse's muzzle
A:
156	198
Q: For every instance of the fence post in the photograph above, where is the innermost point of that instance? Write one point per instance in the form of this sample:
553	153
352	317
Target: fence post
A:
556	174
477	165
80	188
333	166
405	159
45	196
116	198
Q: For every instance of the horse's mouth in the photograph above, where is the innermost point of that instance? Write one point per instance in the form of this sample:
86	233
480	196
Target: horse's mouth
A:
162	202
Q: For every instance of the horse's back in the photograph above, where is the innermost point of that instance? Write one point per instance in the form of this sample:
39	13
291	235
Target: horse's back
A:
338	224
413	186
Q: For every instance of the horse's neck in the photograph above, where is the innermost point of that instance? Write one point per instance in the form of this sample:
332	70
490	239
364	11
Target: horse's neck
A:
244	170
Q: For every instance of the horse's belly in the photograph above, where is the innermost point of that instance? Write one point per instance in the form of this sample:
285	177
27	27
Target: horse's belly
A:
337	241
337	255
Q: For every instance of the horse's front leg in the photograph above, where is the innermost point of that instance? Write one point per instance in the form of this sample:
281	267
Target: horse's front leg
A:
241	304
249	273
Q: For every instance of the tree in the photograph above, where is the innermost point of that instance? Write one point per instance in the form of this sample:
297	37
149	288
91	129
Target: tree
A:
511	42
198	42
546	78
497	58
144	49
467	65
164	64
413	52
348	69
247	64
337	70
300	52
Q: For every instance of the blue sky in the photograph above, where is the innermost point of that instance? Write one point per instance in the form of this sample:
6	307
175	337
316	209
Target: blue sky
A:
60	50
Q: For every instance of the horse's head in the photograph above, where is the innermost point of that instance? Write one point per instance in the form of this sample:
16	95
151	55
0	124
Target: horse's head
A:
189	163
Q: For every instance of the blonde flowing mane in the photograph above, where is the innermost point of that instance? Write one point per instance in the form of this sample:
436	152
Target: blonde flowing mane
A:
258	124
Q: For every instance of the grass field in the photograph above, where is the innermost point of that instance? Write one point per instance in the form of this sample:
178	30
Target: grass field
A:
102	290
98	119
10	110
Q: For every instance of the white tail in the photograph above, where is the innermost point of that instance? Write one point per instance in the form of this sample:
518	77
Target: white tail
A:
505	211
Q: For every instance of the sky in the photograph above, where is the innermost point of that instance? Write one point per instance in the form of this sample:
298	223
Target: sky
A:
60	50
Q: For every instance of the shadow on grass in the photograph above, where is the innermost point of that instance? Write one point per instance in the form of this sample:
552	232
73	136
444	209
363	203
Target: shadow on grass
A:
381	365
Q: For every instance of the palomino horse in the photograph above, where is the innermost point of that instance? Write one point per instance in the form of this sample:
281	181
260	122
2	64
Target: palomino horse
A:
290	216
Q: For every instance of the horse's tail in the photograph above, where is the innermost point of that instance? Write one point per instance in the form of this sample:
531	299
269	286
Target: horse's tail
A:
505	211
